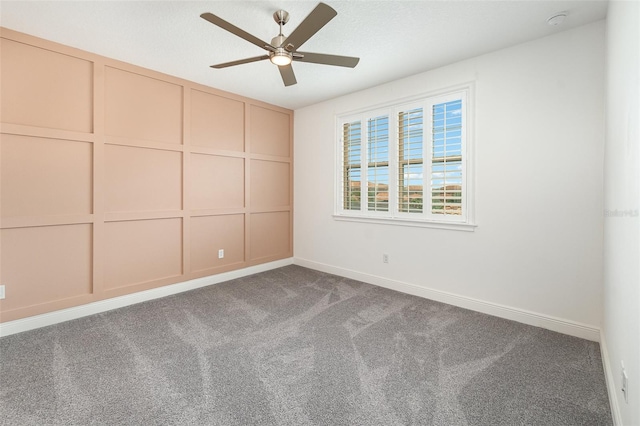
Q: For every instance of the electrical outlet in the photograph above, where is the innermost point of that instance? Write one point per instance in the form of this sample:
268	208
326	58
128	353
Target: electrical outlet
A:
2	292
385	258
221	254
625	383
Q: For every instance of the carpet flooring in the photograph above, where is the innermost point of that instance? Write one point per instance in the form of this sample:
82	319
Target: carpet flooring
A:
293	346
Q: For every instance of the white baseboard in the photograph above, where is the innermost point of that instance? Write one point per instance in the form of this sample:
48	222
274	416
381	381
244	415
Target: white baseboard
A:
520	315
50	318
611	384
562	326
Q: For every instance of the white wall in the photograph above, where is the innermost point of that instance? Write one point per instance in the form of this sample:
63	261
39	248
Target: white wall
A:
539	131
622	193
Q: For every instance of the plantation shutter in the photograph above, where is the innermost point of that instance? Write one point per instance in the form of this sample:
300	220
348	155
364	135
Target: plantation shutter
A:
407	163
351	165
410	161
446	158
378	163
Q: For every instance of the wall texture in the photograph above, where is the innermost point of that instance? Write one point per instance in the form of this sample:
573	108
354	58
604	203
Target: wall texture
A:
538	135
116	179
622	205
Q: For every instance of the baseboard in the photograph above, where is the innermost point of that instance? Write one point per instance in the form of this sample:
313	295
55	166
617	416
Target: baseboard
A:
520	315
526	317
611	384
50	318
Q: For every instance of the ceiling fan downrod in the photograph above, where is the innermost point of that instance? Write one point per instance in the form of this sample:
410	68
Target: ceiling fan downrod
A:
281	56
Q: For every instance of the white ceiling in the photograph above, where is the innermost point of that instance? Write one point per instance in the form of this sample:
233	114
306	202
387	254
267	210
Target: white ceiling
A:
394	39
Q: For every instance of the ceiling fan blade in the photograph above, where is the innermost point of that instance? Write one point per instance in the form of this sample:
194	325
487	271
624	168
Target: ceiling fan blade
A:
317	19
288	77
215	20
321	58
240	62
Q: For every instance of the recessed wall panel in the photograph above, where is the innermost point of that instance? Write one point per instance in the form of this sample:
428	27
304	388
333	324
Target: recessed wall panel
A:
216	182
270	234
209	234
44	264
139	251
142	179
270	132
270	184
116	179
216	122
42	88
44	177
142	107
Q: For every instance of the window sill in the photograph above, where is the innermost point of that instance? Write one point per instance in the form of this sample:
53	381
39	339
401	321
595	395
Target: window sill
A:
454	226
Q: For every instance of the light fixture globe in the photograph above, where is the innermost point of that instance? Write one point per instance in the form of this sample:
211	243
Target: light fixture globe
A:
280	57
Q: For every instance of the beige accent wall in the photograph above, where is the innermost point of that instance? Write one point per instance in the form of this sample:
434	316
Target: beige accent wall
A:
117	179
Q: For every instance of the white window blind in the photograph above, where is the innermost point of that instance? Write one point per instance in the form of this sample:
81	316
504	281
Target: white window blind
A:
408	160
352	165
446	158
378	164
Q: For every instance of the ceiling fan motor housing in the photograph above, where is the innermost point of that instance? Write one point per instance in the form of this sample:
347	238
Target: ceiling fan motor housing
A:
278	40
280	56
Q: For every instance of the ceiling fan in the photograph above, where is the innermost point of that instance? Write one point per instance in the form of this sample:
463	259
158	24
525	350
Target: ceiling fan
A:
283	50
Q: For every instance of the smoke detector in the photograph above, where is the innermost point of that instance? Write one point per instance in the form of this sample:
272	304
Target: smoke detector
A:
557	19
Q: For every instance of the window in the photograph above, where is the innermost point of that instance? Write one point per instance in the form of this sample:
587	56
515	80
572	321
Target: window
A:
407	163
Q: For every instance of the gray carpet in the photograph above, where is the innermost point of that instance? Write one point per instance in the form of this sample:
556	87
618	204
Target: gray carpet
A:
295	346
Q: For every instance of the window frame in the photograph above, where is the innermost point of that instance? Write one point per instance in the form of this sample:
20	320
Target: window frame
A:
392	109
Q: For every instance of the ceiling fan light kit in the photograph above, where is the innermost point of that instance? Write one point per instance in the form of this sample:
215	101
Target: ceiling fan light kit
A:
280	57
282	50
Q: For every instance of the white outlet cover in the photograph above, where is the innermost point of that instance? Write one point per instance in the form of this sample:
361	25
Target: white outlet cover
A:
2	294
